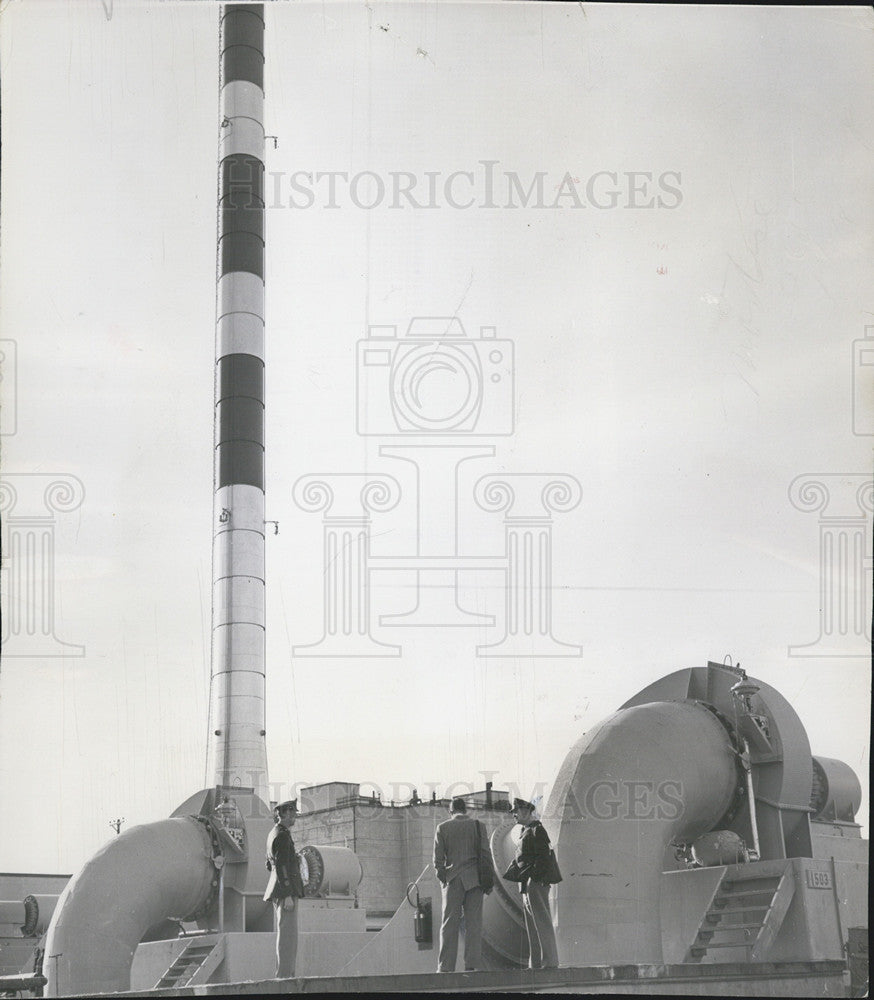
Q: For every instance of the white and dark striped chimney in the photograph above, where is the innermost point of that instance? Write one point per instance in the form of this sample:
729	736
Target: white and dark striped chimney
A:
237	755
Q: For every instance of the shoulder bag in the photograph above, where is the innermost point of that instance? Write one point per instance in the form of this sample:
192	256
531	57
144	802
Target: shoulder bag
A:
485	871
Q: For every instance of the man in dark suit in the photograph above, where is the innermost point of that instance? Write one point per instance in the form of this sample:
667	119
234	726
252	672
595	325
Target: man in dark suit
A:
455	861
284	887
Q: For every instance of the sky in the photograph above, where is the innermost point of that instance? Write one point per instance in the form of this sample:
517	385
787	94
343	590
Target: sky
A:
683	305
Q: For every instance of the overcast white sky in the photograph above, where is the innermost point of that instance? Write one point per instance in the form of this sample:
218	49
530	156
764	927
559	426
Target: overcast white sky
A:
685	402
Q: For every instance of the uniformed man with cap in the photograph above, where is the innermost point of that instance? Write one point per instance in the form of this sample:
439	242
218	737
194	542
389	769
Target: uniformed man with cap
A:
284	887
532	861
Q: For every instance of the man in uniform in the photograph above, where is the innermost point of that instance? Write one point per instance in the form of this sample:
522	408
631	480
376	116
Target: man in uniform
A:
284	887
455	861
532	861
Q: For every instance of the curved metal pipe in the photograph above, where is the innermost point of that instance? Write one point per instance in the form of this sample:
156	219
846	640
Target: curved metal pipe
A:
643	777
145	875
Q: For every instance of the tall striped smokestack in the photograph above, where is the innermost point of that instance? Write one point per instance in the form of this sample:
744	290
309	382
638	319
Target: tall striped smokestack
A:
237	750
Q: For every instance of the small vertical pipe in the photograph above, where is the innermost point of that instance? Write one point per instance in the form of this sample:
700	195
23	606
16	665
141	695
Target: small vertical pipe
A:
752	799
221	899
843	944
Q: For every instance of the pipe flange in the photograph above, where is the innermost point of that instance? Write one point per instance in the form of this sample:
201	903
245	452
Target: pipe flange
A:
739	796
218	861
31	916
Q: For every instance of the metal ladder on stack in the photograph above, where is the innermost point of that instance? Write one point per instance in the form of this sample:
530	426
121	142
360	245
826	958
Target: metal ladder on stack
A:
746	912
196	963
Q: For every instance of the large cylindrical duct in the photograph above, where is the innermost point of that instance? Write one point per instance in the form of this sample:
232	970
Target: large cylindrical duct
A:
237	749
331	871
145	875
643	777
836	793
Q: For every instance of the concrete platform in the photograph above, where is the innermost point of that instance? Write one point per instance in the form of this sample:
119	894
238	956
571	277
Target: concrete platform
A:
764	979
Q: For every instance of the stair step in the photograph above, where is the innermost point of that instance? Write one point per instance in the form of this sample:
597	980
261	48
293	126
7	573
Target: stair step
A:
729	927
730	944
718	918
706	936
723	910
186	958
177	966
188	964
698	951
744	893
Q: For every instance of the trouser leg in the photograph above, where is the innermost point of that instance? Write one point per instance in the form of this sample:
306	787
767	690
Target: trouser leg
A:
535	956
538	901
473	928
286	939
453	900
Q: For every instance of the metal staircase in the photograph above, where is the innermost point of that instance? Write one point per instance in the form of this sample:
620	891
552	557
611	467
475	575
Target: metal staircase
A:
196	963
746	912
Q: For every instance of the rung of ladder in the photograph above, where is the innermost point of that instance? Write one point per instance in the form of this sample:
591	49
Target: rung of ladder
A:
728	883
744	893
730	927
743	908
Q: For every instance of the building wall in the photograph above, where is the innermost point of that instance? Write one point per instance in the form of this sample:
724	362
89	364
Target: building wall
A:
327	796
17	952
394	843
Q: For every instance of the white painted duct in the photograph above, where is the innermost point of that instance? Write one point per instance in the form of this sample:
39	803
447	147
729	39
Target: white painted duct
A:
643	777
145	875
